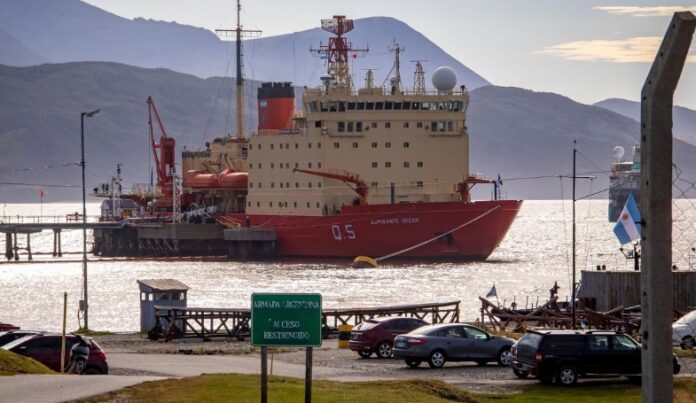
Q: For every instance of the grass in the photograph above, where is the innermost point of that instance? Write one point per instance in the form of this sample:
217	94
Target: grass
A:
13	364
684	353
246	388
89	332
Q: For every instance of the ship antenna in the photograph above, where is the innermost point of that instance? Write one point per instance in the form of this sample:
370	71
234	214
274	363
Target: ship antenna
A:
396	80
239	32
419	78
369	79
336	52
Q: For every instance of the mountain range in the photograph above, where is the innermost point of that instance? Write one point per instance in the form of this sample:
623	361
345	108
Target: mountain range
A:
525	136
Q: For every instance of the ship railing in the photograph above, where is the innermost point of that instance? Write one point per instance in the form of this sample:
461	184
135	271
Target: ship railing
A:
45	219
146	190
384	91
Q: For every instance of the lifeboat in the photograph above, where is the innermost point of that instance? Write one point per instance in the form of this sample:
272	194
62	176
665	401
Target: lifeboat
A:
200	180
230	179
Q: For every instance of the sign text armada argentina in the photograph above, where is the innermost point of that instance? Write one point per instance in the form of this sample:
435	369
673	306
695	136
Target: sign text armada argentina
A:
286	320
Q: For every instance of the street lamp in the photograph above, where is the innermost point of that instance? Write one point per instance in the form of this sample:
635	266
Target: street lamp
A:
84	305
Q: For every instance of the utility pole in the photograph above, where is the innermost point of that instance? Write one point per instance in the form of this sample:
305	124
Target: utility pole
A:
656	207
240	75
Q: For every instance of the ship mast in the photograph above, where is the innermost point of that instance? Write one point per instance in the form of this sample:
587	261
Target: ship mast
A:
336	52
240	74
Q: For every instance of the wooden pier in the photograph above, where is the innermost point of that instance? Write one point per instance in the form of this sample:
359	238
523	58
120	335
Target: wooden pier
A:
176	321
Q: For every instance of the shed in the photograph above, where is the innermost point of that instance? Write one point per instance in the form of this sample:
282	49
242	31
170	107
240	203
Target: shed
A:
119	208
168	292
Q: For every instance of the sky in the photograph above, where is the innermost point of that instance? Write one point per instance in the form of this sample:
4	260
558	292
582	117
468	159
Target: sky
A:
586	50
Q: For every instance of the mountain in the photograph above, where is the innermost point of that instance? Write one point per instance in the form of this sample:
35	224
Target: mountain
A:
684	119
14	53
514	132
81	32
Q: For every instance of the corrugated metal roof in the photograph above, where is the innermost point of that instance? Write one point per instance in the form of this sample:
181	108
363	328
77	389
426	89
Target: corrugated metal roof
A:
164	284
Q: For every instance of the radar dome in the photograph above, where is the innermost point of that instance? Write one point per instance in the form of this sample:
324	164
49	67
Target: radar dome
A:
618	152
444	78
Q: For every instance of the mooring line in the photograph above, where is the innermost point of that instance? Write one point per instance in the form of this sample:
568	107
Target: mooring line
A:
437	237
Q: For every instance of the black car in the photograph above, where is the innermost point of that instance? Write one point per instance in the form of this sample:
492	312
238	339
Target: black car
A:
565	355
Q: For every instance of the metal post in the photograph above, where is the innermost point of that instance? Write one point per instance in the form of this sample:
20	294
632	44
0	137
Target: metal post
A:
264	374
308	376
575	153
84	221
62	339
656	208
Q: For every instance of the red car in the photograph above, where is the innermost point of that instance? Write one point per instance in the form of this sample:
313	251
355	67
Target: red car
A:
377	335
45	348
4	327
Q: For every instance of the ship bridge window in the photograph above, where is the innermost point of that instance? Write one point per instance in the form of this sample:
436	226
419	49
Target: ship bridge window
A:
379	106
388	105
341	127
313	106
415	106
350	126
351	106
370	106
341	106
450	126
324	106
361	106
333	106
358	126
407	106
397	106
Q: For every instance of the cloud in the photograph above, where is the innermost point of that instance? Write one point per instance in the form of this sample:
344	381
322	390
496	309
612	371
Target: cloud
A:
661	11
640	49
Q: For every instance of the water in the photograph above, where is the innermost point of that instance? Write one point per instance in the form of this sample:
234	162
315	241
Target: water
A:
535	253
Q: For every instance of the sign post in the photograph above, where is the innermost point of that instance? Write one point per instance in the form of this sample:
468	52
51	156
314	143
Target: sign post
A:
286	320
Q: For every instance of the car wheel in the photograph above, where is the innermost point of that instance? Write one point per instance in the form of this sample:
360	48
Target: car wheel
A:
688	343
505	357
567	375
437	359
364	354
384	350
92	371
413	363
520	374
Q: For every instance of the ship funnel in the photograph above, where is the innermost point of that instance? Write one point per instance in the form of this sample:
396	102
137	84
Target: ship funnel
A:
276	104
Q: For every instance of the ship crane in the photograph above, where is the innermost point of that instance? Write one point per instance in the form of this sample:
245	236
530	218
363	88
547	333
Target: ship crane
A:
359	185
164	162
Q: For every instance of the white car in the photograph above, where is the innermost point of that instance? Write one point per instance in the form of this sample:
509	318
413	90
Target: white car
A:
684	331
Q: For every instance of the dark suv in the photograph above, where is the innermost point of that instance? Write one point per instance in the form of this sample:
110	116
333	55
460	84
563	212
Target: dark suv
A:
377	335
565	355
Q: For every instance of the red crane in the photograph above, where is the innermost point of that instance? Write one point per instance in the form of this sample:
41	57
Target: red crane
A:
164	162
360	187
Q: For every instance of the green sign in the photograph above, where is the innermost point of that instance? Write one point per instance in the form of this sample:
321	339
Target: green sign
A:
286	320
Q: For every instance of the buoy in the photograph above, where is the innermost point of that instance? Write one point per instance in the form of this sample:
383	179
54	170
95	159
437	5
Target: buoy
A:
362	262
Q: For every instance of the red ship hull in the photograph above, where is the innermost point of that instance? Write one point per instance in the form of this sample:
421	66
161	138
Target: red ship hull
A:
447	230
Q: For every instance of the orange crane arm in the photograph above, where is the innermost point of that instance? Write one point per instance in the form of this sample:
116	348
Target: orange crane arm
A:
347	178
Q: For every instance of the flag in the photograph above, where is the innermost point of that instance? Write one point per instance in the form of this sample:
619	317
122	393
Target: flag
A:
42	192
492	292
627	227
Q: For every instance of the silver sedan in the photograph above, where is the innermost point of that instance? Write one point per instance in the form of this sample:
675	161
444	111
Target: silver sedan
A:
440	343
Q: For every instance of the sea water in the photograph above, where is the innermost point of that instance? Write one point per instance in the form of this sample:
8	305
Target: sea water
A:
535	253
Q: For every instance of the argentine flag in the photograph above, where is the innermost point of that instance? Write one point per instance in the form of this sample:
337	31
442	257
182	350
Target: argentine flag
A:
627	227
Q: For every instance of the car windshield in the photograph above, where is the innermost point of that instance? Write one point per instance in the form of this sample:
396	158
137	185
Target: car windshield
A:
530	339
13	344
686	319
367	325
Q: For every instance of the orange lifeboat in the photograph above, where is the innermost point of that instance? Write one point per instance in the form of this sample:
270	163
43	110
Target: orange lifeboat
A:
199	180
230	179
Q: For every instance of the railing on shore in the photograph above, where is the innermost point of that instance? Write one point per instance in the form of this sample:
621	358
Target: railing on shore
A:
46	219
176	322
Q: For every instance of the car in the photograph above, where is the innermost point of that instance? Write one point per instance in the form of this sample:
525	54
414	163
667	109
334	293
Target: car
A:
12	335
45	348
684	331
565	355
377	335
437	344
6	327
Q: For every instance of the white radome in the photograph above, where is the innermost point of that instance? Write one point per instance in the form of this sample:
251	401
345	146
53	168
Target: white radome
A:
618	152
444	78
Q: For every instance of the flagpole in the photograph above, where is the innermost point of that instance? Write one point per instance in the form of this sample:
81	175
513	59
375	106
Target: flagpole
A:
572	301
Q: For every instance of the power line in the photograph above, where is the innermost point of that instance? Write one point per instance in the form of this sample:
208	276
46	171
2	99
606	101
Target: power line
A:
39	168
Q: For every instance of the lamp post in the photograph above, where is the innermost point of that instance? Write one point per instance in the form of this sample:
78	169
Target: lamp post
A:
85	305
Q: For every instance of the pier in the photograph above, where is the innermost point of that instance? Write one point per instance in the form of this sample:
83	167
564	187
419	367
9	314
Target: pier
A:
177	321
23	225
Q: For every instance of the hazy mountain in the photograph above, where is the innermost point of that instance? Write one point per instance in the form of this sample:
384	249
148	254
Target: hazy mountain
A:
70	30
684	119
514	132
14	53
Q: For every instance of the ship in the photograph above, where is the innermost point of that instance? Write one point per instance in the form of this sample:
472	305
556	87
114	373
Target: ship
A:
379	171
624	180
